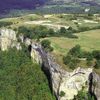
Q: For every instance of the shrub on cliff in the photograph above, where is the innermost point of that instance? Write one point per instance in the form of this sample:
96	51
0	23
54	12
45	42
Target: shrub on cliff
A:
97	65
62	94
96	54
46	44
75	51
71	61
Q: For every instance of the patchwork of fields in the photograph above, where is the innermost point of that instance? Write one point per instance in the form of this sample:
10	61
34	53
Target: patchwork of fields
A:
88	40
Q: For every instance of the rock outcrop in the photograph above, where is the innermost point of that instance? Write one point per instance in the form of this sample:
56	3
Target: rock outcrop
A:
96	85
35	58
68	83
8	39
35	54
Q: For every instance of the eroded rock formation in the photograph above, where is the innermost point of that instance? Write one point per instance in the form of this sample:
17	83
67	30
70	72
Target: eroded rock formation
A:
96	85
8	39
68	83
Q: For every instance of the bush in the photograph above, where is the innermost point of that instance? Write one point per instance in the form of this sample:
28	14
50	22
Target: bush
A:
71	61
66	59
89	56
82	29
62	30
62	94
75	51
97	65
26	31
72	58
46	44
96	54
81	95
4	23
36	32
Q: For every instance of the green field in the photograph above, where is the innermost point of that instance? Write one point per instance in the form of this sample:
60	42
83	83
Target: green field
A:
89	41
57	19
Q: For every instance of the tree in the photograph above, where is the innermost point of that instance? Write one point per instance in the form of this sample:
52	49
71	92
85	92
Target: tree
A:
62	94
51	32
75	51
89	59
46	44
71	61
82	29
5	23
72	58
26	31
97	65
62	30
21	79
96	54
81	95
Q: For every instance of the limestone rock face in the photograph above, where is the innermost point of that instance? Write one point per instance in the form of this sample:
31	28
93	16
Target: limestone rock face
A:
96	88
35	54
8	39
73	83
68	82
36	57
66	85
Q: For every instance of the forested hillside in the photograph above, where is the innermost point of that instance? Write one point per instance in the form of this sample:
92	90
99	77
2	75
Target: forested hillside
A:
20	78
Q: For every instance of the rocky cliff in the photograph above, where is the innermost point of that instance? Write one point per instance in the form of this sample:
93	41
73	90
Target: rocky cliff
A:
8	39
65	85
96	85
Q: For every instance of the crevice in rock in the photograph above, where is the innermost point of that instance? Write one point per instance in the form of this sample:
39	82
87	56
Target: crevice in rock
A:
47	73
29	48
91	87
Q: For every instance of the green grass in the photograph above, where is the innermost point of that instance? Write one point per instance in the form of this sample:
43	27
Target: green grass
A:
61	19
89	41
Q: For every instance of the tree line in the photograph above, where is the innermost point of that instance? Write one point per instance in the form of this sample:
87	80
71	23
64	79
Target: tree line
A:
75	54
20	78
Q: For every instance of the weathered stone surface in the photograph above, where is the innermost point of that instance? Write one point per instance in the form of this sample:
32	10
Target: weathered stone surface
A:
96	88
68	82
35	54
8	39
35	58
73	83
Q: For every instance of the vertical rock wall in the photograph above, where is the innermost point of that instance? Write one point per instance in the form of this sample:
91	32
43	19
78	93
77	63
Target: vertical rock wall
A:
96	85
8	39
68	83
